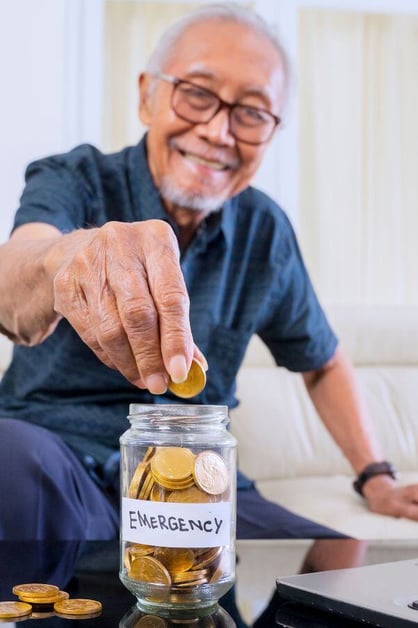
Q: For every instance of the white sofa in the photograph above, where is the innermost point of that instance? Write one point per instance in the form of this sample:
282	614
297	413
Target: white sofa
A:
283	445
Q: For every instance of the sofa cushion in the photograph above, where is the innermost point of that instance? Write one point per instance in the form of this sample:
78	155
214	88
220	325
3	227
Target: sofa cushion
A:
6	347
281	436
331	501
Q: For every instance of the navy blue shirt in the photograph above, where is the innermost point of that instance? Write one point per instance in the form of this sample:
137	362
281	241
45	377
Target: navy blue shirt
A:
243	271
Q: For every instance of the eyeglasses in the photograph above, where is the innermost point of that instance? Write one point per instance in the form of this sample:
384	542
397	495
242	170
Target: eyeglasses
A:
198	105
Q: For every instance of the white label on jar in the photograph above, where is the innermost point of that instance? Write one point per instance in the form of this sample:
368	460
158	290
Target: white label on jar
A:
166	524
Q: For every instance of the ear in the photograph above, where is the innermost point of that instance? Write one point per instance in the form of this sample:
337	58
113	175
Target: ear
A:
145	108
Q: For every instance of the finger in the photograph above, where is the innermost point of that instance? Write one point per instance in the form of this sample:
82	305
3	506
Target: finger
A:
140	323
72	301
410	511
410	492
171	300
198	355
110	333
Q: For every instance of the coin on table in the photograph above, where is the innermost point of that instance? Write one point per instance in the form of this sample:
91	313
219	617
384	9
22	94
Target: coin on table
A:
35	588
39	600
77	606
210	473
193	385
11	610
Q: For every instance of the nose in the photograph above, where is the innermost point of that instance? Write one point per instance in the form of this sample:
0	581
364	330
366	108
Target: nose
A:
217	130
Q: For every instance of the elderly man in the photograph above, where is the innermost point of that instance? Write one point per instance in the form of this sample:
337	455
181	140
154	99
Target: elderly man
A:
122	267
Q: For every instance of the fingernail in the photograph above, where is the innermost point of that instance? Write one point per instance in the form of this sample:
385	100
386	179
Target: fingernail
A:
201	358
178	369
156	384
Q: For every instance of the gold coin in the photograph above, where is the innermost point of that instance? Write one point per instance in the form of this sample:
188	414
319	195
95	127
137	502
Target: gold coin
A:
208	558
135	551
77	606
35	599
140	549
137	479
35	588
175	558
83	616
173	464
42	614
145	491
210	473
217	575
192	495
174	486
148	454
191	583
193	385
149	569
158	493
187	576
10	610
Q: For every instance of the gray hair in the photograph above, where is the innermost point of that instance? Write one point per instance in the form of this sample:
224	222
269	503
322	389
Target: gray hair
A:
226	11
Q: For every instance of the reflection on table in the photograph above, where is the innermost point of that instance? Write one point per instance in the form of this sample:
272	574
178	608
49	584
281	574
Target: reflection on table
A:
91	570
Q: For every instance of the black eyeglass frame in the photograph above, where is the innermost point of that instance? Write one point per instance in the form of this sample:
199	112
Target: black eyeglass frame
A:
223	104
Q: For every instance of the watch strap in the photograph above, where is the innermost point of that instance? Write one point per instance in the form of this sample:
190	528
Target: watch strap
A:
373	469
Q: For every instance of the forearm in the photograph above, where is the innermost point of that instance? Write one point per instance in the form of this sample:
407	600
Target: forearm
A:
28	262
26	311
337	399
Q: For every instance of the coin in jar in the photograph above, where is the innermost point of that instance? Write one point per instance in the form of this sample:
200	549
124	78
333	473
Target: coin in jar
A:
191	495
173	465
12	610
175	558
210	473
194	383
137	479
148	569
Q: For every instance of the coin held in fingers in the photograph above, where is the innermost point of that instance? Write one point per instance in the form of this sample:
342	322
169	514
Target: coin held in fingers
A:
193	385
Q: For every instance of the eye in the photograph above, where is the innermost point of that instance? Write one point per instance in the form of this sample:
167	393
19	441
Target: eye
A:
196	96
250	116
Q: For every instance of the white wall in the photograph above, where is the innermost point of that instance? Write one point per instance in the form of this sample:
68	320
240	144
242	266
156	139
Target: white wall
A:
31	106
50	86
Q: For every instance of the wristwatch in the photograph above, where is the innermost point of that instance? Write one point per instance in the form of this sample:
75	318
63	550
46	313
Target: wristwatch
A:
373	469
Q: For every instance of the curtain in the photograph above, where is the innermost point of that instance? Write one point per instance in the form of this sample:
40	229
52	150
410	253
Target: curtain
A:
358	143
131	31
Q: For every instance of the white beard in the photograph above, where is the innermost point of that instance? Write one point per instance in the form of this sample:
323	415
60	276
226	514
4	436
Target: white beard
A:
187	200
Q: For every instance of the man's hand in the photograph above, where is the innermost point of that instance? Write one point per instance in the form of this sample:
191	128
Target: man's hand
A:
385	497
122	290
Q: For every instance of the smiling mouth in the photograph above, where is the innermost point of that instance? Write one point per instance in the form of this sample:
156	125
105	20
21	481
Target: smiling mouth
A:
208	163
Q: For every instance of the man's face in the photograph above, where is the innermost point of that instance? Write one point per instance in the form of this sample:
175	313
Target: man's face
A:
199	166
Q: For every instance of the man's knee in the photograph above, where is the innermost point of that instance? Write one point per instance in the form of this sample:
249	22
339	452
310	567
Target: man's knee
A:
46	493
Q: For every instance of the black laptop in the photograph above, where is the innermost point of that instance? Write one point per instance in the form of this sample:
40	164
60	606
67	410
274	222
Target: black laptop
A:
383	595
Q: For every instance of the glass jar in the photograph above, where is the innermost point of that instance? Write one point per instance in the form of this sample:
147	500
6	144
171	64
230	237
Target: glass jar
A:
135	618
178	507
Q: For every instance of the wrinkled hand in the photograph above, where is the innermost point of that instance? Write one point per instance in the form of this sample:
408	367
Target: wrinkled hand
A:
385	497
121	288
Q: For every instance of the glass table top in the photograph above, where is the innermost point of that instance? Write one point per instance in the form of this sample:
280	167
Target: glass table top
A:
90	570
